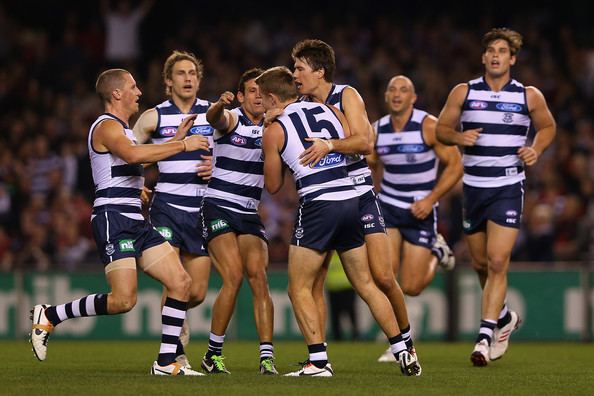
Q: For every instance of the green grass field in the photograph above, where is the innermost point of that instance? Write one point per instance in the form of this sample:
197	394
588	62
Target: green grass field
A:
121	368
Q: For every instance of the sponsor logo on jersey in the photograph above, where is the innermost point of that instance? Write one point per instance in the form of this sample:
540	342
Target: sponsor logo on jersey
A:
478	105
258	142
331	159
168	131
513	107
238	140
367	217
201	130
511	213
165	232
126	245
369	225
511	221
256	131
410	148
109	249
218	225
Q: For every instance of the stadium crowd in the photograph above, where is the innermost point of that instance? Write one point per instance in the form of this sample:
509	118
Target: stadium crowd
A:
48	61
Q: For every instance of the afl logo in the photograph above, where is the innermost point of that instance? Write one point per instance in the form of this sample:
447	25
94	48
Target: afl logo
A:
238	140
383	150
516	108
367	217
168	131
478	105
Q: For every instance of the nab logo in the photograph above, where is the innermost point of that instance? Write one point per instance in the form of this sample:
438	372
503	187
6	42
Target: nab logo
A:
168	131
330	159
238	140
478	105
126	245
205	130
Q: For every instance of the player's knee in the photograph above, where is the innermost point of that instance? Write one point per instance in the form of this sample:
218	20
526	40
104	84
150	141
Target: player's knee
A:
385	282
197	295
498	264
411	288
233	279
480	266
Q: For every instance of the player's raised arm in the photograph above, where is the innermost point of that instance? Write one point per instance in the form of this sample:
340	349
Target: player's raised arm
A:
219	117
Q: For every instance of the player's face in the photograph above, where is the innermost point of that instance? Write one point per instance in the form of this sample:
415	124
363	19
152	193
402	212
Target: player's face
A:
400	95
184	82
306	79
250	99
498	58
130	94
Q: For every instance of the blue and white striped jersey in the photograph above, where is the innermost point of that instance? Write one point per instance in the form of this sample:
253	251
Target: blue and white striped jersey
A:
178	183
493	161
328	179
117	183
410	165
238	169
357	166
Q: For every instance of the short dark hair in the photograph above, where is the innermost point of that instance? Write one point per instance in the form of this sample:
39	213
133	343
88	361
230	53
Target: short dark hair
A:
318	54
177	56
279	81
247	76
108	81
513	38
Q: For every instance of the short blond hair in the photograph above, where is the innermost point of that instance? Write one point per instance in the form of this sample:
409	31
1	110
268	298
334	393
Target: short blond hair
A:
108	81
278	81
177	56
513	38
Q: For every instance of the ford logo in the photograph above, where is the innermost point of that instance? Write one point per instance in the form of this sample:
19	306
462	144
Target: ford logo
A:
410	148
478	105
258	142
168	131
239	140
514	107
201	130
330	159
367	217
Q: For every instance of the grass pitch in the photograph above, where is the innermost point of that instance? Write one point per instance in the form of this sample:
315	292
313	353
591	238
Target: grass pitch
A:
121	368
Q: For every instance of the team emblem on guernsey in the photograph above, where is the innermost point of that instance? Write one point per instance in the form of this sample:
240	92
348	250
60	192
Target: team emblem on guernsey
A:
508	118
478	105
109	249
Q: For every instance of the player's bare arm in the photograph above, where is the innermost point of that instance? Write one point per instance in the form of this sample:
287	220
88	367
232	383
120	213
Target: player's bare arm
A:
272	141
146	125
544	123
450	157
220	118
109	137
450	117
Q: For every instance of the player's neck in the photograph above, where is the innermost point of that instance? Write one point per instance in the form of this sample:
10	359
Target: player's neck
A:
320	94
185	105
254	119
496	83
399	120
121	114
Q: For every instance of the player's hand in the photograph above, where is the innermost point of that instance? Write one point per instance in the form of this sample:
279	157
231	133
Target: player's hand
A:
314	153
528	155
271	115
469	137
184	127
421	208
204	168
145	195
226	98
196	142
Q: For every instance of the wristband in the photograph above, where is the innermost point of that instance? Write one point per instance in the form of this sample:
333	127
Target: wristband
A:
184	143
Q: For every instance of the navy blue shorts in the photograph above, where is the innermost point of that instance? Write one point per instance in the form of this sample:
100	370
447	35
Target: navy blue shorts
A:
217	220
180	228
328	225
372	219
501	205
118	236
415	231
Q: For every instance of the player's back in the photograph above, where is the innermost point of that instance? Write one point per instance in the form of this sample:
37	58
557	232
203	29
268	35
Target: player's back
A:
328	179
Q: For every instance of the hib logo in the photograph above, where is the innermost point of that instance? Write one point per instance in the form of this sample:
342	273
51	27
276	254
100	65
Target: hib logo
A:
168	131
201	130
514	107
330	159
238	140
478	105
